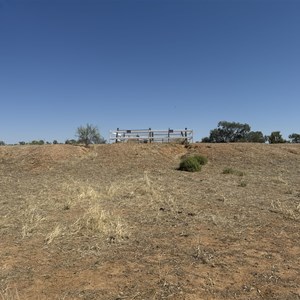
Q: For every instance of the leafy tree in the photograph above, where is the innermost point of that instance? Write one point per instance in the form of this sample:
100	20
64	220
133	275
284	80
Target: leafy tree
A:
276	138
216	136
255	137
205	140
2	143
22	143
55	142
228	132
35	142
89	134
295	137
71	142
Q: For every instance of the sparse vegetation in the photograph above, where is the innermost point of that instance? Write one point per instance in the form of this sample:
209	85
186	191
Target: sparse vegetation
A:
243	184
117	221
287	211
98	222
228	170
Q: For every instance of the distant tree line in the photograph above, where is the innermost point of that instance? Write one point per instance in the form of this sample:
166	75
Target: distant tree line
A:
226	132
233	132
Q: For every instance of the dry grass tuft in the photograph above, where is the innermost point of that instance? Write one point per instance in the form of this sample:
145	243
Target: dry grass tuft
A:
77	192
32	218
9	294
285	210
97	221
130	188
57	231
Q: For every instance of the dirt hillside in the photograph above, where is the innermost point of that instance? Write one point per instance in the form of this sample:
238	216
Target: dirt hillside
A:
121	222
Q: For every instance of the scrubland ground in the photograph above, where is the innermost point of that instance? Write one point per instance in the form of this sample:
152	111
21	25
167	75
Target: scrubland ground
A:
121	222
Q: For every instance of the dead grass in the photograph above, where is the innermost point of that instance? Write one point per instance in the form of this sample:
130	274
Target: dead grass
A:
32	218
97	221
120	222
286	210
10	294
56	232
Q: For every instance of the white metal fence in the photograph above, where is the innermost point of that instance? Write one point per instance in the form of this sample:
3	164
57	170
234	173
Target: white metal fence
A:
183	136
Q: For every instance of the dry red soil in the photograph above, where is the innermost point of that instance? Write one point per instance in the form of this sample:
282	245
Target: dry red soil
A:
121	222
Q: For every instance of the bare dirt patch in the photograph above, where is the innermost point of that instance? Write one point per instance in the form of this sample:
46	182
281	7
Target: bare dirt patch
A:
121	222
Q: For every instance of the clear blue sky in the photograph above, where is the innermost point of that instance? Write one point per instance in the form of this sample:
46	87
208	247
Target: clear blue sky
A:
147	63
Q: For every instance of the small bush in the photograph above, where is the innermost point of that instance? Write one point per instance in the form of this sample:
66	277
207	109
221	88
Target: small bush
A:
202	160
190	164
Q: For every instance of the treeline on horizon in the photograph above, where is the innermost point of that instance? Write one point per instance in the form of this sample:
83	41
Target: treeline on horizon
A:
226	132
233	132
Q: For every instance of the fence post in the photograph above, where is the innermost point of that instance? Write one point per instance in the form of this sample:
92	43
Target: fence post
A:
117	134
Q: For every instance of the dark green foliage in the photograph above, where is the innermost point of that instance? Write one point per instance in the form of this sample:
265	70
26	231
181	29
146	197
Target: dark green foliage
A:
190	164
2	143
22	143
71	142
35	142
295	138
202	160
55	142
276	138
205	140
228	132
255	137
89	135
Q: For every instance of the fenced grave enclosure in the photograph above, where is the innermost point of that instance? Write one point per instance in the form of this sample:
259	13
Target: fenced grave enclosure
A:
180	136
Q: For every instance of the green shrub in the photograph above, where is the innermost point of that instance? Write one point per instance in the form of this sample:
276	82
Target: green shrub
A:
190	164
202	160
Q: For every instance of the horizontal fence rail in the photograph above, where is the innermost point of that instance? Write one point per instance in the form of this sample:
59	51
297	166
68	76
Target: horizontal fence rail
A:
180	136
